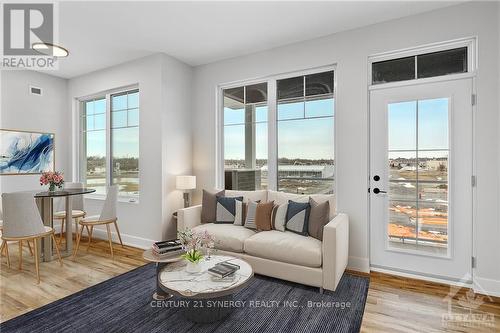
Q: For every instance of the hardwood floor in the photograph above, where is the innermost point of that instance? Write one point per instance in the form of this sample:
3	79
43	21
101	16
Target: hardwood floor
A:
396	304
393	305
19	292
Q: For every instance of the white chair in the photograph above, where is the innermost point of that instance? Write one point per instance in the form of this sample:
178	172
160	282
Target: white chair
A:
77	210
5	247
107	216
22	222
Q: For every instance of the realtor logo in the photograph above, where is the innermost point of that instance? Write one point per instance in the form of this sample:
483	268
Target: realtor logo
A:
26	24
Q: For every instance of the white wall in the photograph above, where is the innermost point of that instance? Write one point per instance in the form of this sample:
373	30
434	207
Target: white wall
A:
163	84
349	50
176	135
47	113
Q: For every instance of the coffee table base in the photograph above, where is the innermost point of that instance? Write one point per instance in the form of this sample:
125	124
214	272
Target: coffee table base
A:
161	297
208	310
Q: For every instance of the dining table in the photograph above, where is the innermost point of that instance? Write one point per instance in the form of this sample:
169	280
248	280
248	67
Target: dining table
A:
45	203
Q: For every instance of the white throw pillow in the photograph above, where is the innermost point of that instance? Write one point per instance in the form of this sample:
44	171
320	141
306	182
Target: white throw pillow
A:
279	218
238	217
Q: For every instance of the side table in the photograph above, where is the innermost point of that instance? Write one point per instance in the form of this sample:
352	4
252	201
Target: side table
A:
148	255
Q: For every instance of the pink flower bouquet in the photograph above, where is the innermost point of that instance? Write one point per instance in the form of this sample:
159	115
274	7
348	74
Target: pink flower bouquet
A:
52	179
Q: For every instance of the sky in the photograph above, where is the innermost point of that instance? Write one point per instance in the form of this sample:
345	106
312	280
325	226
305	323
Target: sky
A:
305	130
299	130
125	112
432	127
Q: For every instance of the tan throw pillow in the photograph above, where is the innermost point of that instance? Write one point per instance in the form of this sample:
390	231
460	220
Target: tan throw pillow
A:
263	216
209	206
318	218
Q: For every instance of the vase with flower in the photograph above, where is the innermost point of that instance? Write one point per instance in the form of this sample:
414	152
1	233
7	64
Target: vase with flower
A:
53	179
193	243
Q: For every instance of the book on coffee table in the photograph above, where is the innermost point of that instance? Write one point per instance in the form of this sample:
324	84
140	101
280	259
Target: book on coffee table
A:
222	271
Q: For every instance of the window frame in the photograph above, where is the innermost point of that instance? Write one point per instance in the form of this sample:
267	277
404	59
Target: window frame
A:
470	43
81	159
272	121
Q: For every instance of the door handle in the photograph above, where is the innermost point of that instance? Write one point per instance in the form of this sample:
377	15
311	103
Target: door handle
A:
376	190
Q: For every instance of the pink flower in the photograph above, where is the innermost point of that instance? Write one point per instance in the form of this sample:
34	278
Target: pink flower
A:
49	177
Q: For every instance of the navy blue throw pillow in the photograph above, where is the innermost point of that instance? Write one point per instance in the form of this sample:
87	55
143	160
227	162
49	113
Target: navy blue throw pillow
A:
226	209
297	217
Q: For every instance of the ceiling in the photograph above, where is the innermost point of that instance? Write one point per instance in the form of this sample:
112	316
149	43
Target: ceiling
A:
103	34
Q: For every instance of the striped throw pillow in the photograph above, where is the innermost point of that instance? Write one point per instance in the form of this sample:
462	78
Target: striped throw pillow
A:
251	212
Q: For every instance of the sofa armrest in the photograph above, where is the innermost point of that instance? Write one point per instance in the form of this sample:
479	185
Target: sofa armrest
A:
335	250
188	217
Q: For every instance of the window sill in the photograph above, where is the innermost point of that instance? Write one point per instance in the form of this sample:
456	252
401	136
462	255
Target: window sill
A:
102	197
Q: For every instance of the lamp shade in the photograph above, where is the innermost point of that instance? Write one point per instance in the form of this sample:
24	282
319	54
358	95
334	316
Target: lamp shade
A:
185	182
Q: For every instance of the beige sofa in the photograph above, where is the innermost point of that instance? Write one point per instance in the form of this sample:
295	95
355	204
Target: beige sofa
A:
283	255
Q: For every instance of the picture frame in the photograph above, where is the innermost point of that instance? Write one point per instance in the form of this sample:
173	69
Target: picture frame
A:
26	152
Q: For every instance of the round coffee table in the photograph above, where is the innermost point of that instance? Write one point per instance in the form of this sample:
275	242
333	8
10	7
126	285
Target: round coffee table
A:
148	255
209	299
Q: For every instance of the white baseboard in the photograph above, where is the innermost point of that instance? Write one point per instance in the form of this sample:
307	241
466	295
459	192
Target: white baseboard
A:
134	241
486	286
421	277
358	264
139	242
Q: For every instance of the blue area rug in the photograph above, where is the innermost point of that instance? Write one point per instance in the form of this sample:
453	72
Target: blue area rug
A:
124	304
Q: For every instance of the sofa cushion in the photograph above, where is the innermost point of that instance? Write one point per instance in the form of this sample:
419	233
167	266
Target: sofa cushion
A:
286	247
250	215
263	216
228	237
297	217
282	198
318	218
241	210
320	198
226	209
209	206
259	195
279	217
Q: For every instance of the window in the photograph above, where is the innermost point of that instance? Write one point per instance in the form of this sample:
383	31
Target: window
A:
418	151
94	138
245	137
301	154
305	109
453	61
110	142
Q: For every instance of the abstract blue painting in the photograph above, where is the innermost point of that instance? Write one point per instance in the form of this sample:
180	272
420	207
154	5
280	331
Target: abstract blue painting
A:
26	152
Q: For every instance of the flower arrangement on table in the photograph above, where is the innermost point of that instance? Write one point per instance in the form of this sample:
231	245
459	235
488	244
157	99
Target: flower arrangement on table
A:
53	179
193	242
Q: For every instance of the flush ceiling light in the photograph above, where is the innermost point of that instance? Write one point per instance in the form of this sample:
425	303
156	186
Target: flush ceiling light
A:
50	50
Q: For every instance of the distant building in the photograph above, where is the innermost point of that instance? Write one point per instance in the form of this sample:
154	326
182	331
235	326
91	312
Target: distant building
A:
437	164
302	171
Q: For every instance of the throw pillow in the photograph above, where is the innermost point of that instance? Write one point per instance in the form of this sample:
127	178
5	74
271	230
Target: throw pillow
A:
279	217
209	206
297	217
250	218
239	217
318	218
226	209
263	216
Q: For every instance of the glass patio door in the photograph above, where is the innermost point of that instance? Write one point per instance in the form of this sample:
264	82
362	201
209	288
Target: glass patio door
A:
421	179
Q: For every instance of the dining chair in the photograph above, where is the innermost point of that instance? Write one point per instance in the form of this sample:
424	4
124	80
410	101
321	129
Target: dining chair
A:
107	217
22	222
5	247
77	211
